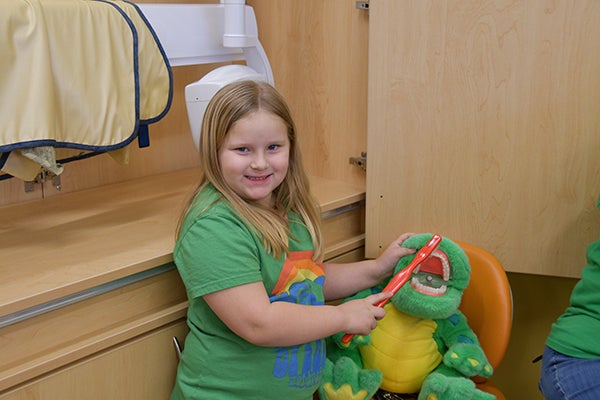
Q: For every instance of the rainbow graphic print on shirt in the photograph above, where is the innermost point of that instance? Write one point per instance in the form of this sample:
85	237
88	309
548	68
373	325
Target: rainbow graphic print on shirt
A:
300	282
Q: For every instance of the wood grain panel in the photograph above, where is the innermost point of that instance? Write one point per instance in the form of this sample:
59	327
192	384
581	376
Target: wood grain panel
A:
318	54
62	245
483	126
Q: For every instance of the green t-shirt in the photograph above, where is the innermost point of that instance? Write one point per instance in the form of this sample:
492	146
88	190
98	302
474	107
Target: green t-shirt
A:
575	333
216	250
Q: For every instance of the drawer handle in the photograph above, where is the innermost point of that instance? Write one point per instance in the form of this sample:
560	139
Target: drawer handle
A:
341	210
177	347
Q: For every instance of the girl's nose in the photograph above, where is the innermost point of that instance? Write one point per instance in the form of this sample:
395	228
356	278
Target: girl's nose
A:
259	162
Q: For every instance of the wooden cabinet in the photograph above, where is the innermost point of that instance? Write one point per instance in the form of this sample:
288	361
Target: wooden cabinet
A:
483	125
90	298
79	326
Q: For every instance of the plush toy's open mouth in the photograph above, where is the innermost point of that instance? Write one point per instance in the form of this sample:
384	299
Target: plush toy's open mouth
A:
431	276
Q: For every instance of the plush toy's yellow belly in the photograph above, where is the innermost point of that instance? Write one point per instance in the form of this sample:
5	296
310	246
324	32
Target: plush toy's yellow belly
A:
403	349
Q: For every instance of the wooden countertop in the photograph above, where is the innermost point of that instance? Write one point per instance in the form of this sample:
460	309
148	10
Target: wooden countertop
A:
67	243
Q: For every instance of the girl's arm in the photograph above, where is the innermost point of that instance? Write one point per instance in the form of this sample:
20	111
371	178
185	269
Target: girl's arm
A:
342	280
247	311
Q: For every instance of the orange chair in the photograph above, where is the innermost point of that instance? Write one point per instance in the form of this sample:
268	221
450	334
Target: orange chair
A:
487	304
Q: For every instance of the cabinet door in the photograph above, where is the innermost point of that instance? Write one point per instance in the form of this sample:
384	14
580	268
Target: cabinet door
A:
141	369
484	126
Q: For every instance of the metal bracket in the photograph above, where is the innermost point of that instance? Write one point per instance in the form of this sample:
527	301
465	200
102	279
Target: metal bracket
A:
56	182
362	5
41	178
29	186
360	161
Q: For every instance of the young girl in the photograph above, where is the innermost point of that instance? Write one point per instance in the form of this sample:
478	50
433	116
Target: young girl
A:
249	250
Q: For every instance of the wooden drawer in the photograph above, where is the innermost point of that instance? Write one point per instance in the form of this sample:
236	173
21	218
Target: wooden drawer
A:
350	256
344	229
143	368
51	340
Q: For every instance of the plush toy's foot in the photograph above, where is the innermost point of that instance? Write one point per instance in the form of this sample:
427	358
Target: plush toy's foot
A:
441	387
345	381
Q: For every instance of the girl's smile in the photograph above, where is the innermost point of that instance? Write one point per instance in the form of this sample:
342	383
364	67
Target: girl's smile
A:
254	156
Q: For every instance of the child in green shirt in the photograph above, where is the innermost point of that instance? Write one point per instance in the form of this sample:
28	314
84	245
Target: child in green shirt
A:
571	361
249	251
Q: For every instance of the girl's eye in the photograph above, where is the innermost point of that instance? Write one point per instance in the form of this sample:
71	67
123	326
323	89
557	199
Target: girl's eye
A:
273	147
242	149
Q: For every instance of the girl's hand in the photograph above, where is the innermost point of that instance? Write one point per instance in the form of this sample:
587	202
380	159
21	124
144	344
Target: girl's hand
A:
387	260
343	280
361	315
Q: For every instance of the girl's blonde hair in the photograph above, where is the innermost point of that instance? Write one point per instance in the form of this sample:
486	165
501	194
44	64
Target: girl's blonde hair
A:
230	104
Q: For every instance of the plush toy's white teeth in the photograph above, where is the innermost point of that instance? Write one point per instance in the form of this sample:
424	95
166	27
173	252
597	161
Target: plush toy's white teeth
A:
414	282
445	272
445	264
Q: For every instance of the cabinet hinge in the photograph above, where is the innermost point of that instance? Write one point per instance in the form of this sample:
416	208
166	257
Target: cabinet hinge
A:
41	178
362	5
360	161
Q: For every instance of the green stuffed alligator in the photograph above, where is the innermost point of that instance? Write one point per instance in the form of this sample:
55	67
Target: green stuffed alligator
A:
423	345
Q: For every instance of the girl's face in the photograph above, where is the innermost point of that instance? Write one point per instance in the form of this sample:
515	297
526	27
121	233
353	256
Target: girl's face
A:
254	156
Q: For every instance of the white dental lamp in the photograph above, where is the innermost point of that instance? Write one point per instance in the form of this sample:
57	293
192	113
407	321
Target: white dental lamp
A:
210	33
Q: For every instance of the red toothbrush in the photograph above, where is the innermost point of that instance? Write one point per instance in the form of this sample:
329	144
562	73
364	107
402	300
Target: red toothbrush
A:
404	275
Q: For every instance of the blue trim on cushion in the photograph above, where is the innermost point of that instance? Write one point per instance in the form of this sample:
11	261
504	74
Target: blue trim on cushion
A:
165	59
136	75
3	158
141	130
67	145
143	136
71	145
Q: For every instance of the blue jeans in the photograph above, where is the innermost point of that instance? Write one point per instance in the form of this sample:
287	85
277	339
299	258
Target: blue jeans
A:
568	378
